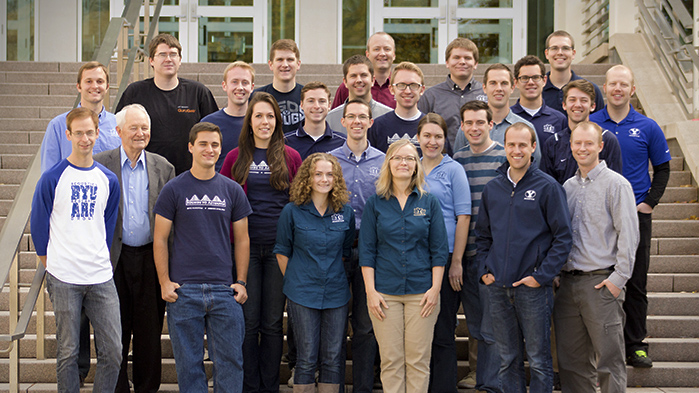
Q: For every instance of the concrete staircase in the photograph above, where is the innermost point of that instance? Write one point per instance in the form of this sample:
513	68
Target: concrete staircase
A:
33	93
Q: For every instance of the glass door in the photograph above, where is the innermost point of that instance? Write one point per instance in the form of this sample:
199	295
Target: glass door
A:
423	28
217	30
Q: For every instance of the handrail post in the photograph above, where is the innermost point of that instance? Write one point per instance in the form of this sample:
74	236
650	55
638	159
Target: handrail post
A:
14	314
40	322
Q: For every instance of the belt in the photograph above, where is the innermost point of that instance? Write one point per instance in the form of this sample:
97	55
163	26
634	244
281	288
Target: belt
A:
137	248
598	272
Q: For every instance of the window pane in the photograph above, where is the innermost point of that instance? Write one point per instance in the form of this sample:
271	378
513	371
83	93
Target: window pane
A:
485	3
416	39
95	22
225	39
410	3
281	20
493	37
354	27
225	2
20	30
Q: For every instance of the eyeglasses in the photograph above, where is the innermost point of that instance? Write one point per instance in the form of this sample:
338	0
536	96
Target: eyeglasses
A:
407	159
354	117
411	86
81	134
565	48
527	78
164	55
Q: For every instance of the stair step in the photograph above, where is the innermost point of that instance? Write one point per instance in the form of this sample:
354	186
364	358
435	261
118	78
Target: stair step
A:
668	282
666	374
679	194
14	124
674	264
36	100
675	211
679	178
673	349
18	148
673	304
11	176
674	246
15	161
675	228
673	326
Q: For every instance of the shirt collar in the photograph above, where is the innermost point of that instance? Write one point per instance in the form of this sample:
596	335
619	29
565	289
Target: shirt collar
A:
125	159
301	132
454	86
594	173
368	153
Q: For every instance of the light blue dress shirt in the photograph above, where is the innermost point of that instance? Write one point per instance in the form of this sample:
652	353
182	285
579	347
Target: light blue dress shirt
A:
136	225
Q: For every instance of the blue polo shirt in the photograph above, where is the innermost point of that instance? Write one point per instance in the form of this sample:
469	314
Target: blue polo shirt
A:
303	143
640	139
315	245
448	182
360	173
546	121
553	96
403	245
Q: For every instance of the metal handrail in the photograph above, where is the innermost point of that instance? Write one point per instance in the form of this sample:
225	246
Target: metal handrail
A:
667	26
17	218
595	24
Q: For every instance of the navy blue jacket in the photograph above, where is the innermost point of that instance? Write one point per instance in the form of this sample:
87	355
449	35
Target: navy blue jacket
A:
522	231
557	158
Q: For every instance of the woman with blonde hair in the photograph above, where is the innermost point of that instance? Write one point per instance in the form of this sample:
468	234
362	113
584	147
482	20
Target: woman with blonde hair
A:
315	233
402	251
265	167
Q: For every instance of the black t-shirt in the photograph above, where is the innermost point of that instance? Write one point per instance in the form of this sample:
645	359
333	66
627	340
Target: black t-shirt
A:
172	114
292	115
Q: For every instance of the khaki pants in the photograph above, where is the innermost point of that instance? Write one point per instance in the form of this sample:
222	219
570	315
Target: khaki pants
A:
405	343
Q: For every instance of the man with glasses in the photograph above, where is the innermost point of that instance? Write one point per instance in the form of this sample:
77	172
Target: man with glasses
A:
407	88
358	77
174	104
560	52
360	164
531	78
74	213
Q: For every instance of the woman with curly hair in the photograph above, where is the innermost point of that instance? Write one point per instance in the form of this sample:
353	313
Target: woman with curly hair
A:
314	235
265	167
402	251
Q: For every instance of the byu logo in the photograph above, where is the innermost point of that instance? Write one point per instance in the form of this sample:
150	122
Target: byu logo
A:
337	217
529	195
635	132
83	197
419	212
549	128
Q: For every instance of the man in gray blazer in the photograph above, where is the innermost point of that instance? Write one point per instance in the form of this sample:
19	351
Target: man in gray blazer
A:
141	175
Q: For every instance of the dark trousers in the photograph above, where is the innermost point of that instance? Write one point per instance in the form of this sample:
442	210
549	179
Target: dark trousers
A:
636	304
84	353
443	368
142	311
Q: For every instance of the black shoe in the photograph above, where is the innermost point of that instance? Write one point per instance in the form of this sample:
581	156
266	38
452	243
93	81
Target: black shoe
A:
82	381
639	359
556	381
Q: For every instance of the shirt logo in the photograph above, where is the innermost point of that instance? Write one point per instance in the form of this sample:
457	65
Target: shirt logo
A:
549	128
184	109
482	97
374	170
337	217
440	175
529	195
260	168
635	132
83	197
205	203
291	113
419	212
395	137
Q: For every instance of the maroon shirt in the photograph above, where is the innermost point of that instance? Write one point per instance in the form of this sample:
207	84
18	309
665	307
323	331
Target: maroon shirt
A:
380	93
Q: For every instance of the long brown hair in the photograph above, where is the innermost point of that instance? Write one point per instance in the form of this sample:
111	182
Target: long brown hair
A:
300	192
276	156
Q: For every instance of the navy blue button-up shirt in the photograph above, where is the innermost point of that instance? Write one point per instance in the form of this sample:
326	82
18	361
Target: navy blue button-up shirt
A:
403	245
315	275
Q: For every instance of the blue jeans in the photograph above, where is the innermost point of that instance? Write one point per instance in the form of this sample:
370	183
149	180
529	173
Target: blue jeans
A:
479	323
101	305
364	347
320	335
264	317
210	309
520	316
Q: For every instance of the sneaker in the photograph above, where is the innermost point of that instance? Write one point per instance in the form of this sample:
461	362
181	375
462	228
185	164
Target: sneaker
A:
639	359
468	382
290	382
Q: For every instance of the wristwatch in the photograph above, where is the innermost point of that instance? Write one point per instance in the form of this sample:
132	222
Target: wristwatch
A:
243	283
